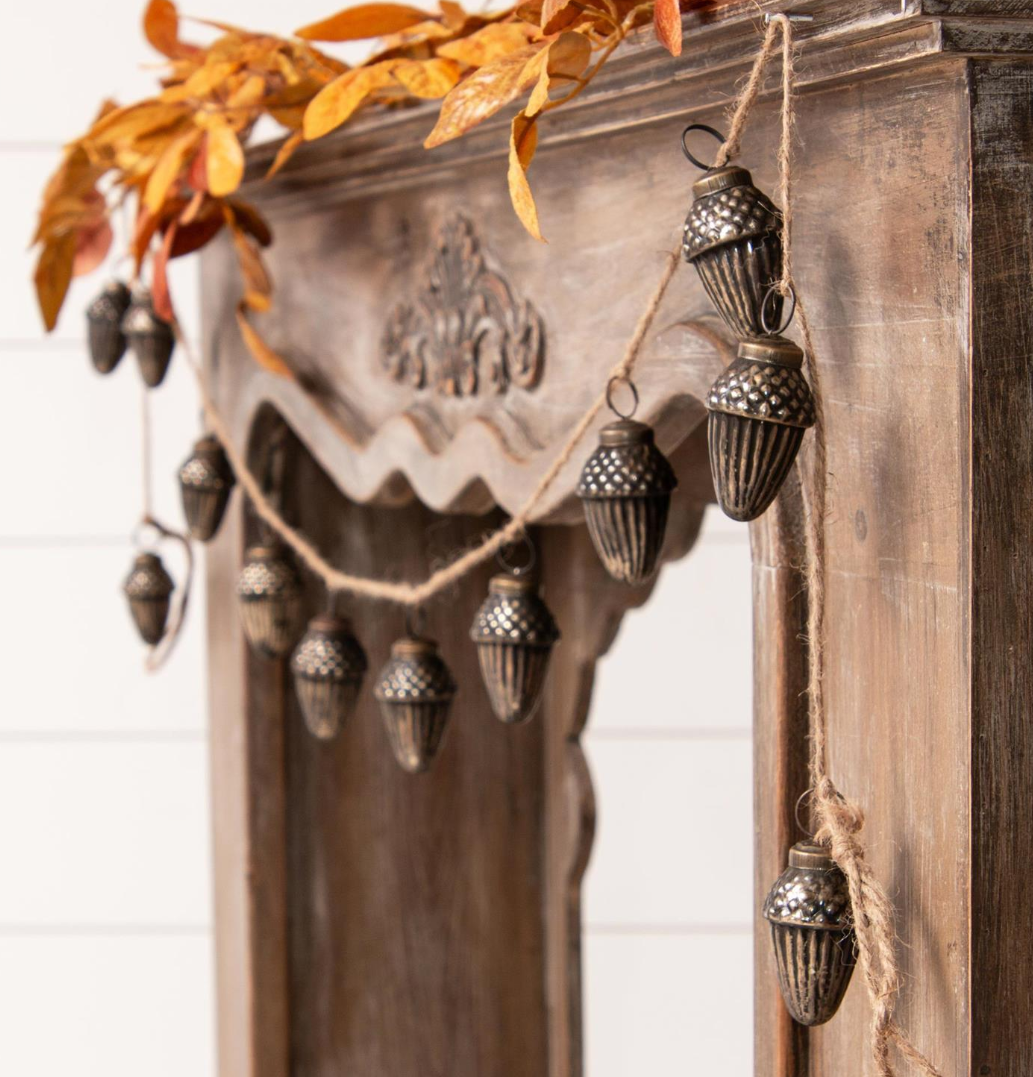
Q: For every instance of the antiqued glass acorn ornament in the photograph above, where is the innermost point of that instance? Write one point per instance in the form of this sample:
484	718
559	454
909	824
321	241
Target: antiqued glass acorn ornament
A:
270	599
760	407
150	337
625	488
808	909
514	632
328	665
733	236
104	326
148	588
206	481
415	691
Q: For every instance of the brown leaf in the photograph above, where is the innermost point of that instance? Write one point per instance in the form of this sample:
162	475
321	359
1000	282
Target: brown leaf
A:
428	78
567	58
260	351
161	28
523	141
487	90
53	275
489	43
197	174
558	15
285	152
160	295
169	166
667	25
336	102
225	157
363	21
250	220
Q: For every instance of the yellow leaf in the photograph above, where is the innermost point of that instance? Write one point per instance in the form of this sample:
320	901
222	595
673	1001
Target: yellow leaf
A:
336	102
53	275
484	92
169	165
285	152
248	94
489	43
567	58
225	158
428	78
127	124
363	21
260	351
523	141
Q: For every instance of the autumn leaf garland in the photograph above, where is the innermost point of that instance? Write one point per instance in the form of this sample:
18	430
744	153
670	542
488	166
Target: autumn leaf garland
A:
177	159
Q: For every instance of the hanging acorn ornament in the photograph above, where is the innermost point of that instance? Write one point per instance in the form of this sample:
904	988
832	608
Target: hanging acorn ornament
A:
415	691
206	481
328	665
808	909
148	587
270	599
625	488
760	407
104	326
150	337
733	236
514	632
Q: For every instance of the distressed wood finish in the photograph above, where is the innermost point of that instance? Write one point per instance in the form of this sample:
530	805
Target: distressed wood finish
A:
369	922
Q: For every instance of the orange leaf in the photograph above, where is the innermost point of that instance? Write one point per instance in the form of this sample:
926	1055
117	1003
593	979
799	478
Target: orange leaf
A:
489	43
92	244
225	164
53	275
336	102
160	277
428	78
285	152
197	176
453	14
168	168
363	21
256	277
161	28
523	141
667	25
260	351
487	90
558	14
567	58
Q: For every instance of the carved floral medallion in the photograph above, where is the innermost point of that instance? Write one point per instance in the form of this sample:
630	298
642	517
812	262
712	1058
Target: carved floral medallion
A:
466	334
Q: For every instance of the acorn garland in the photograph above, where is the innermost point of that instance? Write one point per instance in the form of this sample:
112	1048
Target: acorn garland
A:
148	588
107	342
328	665
150	338
206	481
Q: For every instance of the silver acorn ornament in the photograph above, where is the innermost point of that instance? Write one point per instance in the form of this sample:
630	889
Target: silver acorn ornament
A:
733	236
148	587
808	909
270	599
415	691
104	326
150	337
206	481
328	666
514	632
759	409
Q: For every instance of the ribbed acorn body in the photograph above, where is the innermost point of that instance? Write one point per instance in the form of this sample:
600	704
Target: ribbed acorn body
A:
206	481
625	489
104	326
808	909
270	599
514	632
148	588
415	691
733	238
328	665
150	338
759	409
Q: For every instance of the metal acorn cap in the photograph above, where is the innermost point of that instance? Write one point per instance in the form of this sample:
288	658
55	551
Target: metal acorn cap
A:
514	632
733	237
148	587
328	666
812	932
206	481
269	595
104	326
149	337
759	409
415	690
625	488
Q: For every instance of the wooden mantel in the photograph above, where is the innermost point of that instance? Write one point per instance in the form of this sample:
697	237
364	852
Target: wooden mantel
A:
376	925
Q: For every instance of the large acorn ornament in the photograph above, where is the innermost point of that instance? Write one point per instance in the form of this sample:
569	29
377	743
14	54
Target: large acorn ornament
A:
415	691
514	632
328	667
150	337
808	909
206	481
625	488
270	599
733	237
104	326
148	587
759	409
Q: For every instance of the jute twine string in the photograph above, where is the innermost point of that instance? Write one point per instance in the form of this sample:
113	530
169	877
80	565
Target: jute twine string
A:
838	821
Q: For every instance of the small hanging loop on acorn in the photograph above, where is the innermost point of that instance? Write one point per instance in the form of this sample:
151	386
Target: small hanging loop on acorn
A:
150	338
270	599
775	290
104	317
206	481
633	389
149	587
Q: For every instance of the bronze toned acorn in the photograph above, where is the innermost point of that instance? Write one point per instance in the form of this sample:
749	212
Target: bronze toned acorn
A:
733	238
514	632
625	488
104	326
150	337
148	588
809	912
328	666
759	409
206	481
269	594
415	691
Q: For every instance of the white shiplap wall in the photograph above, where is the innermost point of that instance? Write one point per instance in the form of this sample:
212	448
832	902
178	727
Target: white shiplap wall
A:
105	922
